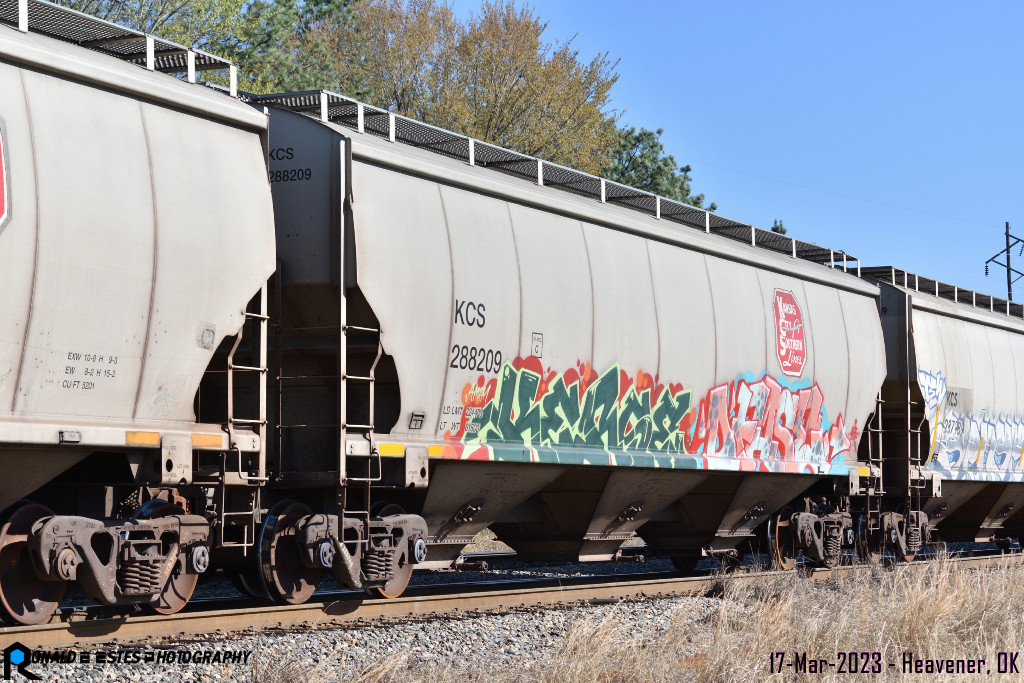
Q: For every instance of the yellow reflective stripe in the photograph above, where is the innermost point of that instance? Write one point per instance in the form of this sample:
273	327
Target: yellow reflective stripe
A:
207	441
142	438
391	449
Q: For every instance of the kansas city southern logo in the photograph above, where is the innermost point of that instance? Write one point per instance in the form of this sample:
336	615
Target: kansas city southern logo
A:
789	329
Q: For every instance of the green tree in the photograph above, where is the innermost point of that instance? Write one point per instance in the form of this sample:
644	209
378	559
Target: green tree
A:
278	44
778	227
491	77
638	159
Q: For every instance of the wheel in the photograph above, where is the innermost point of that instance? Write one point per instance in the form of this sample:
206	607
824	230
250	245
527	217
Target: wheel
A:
781	542
899	546
869	544
25	599
247	582
181	585
403	572
686	563
286	578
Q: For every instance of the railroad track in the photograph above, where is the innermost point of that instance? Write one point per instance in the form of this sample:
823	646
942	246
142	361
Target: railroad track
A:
221	618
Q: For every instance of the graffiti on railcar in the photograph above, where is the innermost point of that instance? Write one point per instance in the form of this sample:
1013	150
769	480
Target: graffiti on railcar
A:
969	444
764	422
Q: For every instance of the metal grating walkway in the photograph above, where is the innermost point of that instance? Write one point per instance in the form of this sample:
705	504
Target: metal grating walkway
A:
345	111
155	54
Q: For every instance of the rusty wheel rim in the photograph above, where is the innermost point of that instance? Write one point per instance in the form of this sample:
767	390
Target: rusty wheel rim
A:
180	585
869	544
781	541
25	599
397	585
287	579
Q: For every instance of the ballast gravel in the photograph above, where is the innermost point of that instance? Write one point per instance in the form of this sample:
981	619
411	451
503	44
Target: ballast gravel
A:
487	641
483	642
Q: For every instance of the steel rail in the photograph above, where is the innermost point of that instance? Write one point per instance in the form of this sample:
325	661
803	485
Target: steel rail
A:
81	629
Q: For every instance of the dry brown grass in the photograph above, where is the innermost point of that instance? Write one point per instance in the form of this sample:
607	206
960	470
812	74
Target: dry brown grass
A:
936	611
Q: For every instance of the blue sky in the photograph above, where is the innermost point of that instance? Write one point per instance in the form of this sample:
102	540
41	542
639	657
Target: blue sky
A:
890	130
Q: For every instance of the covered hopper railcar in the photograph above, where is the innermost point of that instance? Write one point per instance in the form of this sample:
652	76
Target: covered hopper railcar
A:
303	335
565	371
952	411
135	225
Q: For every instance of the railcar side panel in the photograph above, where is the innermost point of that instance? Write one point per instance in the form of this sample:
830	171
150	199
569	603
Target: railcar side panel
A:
18	246
485	300
582	377
137	241
625	327
553	258
968	380
90	260
684	325
861	317
405	247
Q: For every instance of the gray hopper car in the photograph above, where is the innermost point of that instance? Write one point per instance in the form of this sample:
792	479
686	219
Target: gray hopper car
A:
570	372
407	336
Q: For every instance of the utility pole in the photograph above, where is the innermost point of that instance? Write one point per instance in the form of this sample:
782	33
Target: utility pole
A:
1010	271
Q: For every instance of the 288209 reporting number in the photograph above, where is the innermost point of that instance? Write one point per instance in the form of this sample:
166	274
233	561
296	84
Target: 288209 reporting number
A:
475	358
290	175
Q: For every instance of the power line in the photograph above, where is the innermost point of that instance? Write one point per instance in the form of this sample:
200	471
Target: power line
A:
957	247
845	196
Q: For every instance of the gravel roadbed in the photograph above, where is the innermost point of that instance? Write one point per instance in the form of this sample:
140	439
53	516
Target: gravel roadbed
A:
521	638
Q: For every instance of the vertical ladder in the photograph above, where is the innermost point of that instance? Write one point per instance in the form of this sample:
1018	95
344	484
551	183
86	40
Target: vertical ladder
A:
373	474
234	423
914	483
876	458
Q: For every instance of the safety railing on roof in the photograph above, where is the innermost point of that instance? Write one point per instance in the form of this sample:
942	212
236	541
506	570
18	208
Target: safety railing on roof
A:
150	52
959	295
364	118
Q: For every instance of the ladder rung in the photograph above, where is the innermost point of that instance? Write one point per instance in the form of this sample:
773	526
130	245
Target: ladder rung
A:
348	426
358	377
309	377
312	328
357	328
247	368
334	426
257	316
240	421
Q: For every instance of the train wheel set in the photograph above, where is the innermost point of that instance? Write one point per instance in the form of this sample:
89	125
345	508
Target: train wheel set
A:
363	340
